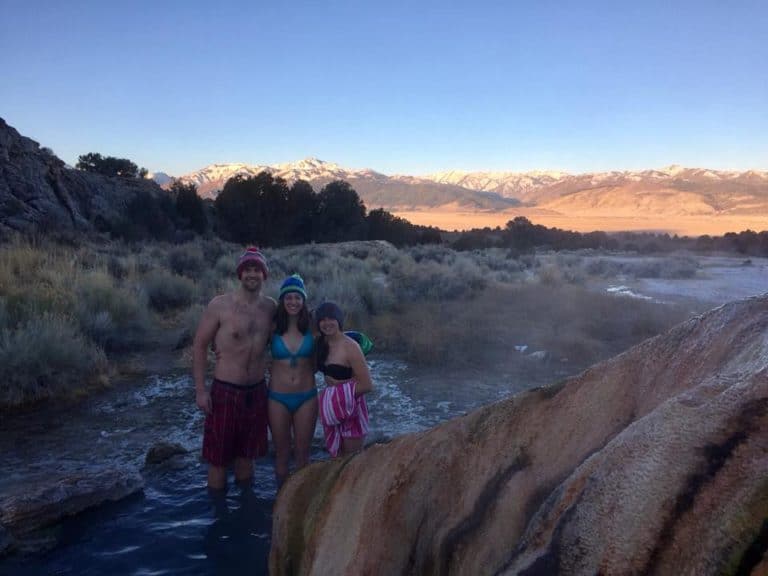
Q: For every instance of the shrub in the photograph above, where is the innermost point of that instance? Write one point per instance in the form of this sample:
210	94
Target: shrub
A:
117	267
187	323
603	267
190	317
166	291
554	275
375	296
357	250
226	264
498	260
144	263
214	248
47	357
186	260
211	284
432	253
677	267
341	287
432	281
423	334
113	317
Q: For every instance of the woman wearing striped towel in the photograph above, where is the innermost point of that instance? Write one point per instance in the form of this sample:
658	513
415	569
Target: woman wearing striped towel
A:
343	411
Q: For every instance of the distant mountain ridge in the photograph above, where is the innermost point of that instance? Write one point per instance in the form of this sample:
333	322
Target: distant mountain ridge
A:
541	187
211	179
377	190
673	190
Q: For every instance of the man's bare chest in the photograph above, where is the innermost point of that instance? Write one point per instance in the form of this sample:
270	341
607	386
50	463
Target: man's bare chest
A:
245	325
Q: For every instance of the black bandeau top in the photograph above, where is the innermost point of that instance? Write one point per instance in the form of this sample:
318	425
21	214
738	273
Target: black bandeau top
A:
336	371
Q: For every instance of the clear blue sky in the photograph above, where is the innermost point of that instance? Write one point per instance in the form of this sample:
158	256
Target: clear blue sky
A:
400	87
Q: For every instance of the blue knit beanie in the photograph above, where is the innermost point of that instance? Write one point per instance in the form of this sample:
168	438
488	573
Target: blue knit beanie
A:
293	283
329	310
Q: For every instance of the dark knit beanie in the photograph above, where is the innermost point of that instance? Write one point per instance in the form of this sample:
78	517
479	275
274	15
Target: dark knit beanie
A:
329	310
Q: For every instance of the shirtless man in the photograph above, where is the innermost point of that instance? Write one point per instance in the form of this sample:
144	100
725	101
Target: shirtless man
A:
238	324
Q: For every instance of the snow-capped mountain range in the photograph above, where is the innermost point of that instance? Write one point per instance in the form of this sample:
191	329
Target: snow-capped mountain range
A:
538	186
376	189
211	179
675	188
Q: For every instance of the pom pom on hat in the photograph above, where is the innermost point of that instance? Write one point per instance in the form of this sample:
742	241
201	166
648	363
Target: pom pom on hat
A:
252	255
293	283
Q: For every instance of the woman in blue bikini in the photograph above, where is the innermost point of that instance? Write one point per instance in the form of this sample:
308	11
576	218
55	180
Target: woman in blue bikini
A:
292	392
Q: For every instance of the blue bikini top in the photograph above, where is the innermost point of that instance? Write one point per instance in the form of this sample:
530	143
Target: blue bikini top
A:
281	352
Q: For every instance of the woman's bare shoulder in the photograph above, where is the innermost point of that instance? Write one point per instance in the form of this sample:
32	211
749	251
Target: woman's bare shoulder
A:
352	347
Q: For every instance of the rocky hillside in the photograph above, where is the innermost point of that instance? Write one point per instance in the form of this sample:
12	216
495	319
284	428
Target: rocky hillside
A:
377	190
655	462
39	192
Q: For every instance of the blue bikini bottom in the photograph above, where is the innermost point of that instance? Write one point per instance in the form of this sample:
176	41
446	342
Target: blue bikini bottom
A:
292	400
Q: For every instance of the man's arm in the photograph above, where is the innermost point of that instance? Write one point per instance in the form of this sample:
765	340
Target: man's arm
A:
206	331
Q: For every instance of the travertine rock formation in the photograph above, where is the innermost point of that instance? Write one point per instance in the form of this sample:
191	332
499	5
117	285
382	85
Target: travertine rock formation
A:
655	462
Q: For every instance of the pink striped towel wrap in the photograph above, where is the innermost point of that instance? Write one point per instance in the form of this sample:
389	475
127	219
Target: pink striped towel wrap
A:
342	415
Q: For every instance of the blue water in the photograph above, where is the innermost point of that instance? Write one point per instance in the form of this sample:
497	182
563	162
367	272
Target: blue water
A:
174	526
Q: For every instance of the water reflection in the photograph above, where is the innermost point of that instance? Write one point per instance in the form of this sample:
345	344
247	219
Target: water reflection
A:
238	537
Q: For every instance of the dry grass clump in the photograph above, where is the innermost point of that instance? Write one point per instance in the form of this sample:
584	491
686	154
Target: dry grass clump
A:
34	281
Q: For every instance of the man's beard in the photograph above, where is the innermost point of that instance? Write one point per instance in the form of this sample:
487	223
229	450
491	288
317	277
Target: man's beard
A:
251	285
